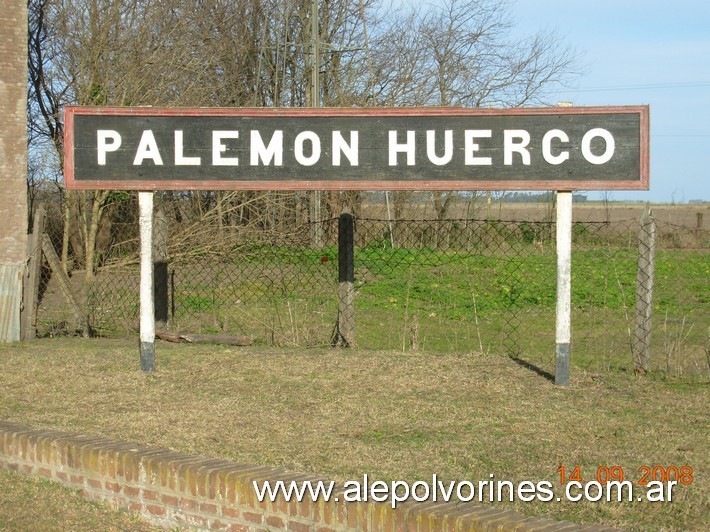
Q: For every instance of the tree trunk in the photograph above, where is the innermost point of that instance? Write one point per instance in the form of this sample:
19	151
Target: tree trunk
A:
69	198
92	228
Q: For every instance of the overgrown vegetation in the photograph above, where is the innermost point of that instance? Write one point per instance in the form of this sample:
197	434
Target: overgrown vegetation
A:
491	293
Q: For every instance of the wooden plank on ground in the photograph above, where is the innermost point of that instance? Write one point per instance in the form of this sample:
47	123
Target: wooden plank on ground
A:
225	339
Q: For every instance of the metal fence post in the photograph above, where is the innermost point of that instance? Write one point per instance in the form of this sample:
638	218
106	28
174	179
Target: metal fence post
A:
345	329
644	292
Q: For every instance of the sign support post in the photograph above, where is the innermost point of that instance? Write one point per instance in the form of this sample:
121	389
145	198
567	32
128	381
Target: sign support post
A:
345	333
147	310
564	285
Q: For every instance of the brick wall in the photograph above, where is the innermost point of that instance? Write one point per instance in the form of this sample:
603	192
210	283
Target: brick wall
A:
177	490
13	139
13	163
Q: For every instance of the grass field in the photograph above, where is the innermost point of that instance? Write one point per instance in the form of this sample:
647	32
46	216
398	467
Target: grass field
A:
29	504
392	415
493	291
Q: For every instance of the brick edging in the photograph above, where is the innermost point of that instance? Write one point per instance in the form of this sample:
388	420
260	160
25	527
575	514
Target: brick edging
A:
172	489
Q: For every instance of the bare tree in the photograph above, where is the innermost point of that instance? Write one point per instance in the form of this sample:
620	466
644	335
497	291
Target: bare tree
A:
461	54
92	52
259	53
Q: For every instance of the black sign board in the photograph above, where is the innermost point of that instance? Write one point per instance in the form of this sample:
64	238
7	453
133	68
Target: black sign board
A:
586	148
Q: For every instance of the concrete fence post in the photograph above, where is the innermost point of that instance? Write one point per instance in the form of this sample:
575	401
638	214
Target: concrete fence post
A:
644	292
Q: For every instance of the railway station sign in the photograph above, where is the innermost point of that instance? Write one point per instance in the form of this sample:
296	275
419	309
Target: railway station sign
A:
560	148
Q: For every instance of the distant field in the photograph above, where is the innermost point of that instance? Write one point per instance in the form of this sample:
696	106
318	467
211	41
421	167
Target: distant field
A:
392	415
683	215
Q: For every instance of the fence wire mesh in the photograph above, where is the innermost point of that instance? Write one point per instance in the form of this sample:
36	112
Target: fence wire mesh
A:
455	285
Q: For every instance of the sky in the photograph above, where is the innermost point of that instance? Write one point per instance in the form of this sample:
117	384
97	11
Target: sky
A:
638	52
642	52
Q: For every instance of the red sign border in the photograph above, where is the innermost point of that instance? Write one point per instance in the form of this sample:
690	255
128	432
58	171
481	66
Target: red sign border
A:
337	185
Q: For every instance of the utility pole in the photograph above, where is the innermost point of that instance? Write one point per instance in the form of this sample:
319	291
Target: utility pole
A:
316	228
315	62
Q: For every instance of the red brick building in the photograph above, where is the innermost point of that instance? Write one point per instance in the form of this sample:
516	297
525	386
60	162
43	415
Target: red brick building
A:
13	162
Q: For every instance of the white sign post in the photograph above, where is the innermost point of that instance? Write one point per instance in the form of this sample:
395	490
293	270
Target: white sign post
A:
147	312
564	285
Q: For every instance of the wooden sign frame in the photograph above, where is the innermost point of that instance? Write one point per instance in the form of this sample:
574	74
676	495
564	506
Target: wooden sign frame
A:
628	128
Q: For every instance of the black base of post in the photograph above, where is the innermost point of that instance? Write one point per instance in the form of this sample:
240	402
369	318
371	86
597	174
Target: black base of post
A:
147	356
344	334
562	365
160	292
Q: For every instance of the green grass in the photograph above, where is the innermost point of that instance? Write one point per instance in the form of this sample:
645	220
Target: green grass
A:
392	415
485	298
507	304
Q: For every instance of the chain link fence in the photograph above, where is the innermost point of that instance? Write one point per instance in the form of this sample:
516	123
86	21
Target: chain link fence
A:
455	285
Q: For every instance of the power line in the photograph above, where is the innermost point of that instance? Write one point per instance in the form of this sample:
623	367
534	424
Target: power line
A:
678	85
682	135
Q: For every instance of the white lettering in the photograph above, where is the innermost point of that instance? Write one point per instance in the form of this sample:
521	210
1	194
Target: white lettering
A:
420	495
103	146
379	491
471	491
351	492
568	491
510	146
669	493
470	147
443	147
597	494
547	146
274	152
147	149
587	146
396	497
655	491
395	148
340	146
301	158
527	491
448	147
218	148
180	159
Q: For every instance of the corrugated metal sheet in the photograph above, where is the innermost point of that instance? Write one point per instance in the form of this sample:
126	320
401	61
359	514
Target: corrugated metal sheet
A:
10	300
